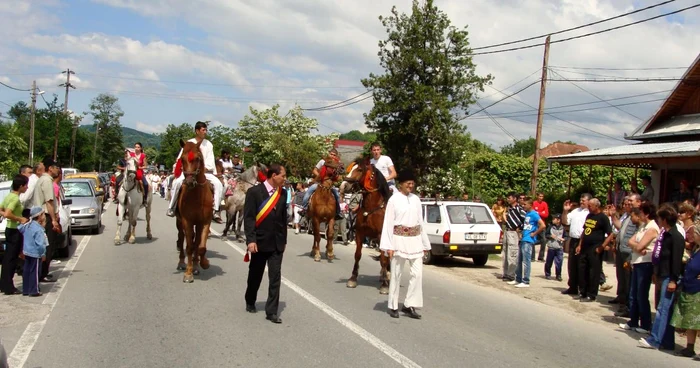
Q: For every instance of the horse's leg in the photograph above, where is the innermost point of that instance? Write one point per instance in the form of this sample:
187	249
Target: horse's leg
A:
229	221
117	237
315	252
149	236
384	274
202	248
359	237
330	236
133	217
239	223
195	248
189	239
181	265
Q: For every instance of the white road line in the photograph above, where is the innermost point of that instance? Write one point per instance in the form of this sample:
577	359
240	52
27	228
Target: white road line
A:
346	322
24	346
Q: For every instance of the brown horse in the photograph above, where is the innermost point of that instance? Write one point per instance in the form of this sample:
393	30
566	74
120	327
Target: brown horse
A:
370	216
322	209
194	212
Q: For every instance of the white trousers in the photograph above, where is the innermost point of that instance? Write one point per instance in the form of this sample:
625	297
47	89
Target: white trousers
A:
414	294
218	190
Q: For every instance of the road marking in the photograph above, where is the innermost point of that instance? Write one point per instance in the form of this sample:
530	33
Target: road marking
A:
31	334
346	322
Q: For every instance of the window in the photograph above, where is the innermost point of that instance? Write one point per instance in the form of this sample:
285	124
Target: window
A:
3	193
433	214
468	214
77	189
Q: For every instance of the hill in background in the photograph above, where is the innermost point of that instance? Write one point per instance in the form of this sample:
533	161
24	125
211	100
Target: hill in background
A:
132	136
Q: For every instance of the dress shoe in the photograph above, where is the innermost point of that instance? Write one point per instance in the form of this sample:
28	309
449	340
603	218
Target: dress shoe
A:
622	313
273	318
394	313
570	291
411	312
48	278
250	308
614	301
586	299
37	294
13	292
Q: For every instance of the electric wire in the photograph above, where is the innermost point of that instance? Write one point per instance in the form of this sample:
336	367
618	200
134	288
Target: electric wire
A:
16	89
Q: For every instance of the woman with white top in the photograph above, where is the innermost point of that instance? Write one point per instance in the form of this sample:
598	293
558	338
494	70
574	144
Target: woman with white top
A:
404	240
642	244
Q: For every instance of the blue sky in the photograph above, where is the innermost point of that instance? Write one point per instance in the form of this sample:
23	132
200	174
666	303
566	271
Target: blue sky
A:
173	61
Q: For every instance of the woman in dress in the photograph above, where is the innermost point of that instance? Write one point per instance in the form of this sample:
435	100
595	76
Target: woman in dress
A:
405	241
687	312
141	164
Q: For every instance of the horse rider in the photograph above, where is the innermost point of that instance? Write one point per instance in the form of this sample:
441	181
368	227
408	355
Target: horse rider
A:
119	176
325	168
238	167
141	164
207	150
225	160
384	164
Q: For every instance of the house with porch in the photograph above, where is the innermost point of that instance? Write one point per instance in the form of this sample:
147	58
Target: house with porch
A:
668	143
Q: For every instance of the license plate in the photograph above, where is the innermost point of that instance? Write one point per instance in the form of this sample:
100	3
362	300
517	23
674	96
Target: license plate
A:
474	236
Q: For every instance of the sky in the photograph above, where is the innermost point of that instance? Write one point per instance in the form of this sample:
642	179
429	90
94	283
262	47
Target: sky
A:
175	61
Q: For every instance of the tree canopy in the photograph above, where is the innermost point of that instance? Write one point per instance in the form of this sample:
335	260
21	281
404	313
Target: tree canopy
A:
106	114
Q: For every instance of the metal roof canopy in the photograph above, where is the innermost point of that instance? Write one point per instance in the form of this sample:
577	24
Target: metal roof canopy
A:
643	155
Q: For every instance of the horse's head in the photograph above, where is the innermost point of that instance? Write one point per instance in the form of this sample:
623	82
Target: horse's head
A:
363	175
192	162
130	169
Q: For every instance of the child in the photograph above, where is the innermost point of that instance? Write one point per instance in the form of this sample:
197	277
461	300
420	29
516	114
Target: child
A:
555	247
34	250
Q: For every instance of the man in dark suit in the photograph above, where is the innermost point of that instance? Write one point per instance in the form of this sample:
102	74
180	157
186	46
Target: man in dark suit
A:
265	222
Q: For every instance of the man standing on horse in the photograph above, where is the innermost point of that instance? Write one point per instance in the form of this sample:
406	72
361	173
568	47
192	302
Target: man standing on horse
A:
207	149
325	168
384	164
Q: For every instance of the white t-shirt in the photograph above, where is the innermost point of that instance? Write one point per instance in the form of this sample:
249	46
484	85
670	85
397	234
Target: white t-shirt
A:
207	150
383	164
320	164
576	220
638	257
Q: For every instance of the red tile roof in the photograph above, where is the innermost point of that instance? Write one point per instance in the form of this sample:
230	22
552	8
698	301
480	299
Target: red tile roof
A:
346	142
559	148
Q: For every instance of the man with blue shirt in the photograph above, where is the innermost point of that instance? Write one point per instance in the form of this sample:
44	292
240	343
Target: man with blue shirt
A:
533	225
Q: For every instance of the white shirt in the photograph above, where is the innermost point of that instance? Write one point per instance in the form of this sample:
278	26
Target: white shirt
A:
576	220
405	211
27	197
320	164
638	257
207	150
226	164
382	164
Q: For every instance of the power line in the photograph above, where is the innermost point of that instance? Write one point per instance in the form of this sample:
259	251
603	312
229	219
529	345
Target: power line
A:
596	96
599	75
504	98
659	79
336	105
514	84
590	33
16	89
497	123
574	28
621	69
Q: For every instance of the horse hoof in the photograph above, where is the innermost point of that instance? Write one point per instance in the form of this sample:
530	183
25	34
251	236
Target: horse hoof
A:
317	259
204	263
330	256
195	272
117	241
188	279
384	290
351	284
149	237
132	241
181	267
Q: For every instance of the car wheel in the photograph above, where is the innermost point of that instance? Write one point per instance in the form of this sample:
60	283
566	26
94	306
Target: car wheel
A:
480	260
428	258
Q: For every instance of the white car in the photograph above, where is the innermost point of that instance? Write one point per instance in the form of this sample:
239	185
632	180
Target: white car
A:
456	228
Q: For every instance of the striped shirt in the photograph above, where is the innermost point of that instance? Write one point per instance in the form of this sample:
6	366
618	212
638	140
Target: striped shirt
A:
515	217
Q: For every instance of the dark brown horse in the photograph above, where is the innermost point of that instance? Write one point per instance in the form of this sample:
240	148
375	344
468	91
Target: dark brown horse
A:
194	211
322	209
370	216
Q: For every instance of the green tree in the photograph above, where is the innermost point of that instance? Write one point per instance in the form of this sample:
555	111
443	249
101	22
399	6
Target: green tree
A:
521	147
223	137
170	143
12	149
356	135
106	114
429	78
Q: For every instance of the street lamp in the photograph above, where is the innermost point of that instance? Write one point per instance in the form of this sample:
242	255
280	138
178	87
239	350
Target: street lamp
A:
34	93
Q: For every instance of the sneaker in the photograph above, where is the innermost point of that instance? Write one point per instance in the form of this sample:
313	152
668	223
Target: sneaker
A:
641	331
559	279
55	261
645	344
522	285
512	282
548	277
625	326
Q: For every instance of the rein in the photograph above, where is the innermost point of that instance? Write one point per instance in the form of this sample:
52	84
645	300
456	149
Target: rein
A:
366	191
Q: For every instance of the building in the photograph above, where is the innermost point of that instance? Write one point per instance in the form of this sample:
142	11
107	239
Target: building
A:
668	143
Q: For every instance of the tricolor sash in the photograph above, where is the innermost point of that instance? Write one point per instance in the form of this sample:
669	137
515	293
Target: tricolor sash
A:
267	206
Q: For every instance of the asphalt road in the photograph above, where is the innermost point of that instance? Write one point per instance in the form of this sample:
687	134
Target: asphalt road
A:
126	306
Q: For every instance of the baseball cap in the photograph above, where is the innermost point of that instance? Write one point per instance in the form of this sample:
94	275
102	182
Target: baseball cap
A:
236	156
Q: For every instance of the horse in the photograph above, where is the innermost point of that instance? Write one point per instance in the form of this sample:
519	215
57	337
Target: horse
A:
322	209
235	202
130	199
194	211
370	216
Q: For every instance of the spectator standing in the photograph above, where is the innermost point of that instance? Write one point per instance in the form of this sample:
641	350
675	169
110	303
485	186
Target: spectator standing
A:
686	314
12	208
341	225
623	253
543	210
648	193
575	219
686	216
44	197
597	234
532	227
514	223
555	247
499	211
35	250
27	198
616	196
297	206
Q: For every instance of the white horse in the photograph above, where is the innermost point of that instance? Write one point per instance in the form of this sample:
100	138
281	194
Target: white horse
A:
234	203
130	199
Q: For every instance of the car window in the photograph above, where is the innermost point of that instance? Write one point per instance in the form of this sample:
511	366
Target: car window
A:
3	193
433	214
77	189
468	214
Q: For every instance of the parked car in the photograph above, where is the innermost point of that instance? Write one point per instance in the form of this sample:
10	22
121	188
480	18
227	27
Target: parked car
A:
66	237
99	184
86	210
69	171
465	229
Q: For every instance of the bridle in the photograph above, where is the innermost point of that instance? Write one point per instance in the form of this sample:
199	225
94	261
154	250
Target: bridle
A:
356	183
194	173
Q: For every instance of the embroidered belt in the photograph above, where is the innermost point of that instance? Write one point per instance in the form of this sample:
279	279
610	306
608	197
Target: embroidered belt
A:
406	230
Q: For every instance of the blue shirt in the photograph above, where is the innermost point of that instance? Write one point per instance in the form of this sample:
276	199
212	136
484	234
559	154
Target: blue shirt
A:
691	284
35	240
530	226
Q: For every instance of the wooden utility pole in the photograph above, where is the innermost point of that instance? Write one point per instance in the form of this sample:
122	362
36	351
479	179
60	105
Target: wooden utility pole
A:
67	72
31	125
540	119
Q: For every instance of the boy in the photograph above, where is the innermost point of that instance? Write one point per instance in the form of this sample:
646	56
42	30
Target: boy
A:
555	247
35	242
532	227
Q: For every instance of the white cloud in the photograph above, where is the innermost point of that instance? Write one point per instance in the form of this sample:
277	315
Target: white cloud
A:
150	128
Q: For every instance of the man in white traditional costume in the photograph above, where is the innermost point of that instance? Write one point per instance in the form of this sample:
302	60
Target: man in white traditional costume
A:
404	240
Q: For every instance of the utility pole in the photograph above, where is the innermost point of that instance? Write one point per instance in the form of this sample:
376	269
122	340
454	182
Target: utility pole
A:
67	72
76	124
540	119
31	125
97	129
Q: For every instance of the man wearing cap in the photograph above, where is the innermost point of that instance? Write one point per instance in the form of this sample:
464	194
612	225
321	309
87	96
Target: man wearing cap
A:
405	241
44	197
207	149
237	166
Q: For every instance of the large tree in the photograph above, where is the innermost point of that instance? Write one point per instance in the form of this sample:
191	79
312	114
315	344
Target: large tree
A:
521	147
170	143
108	141
429	81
